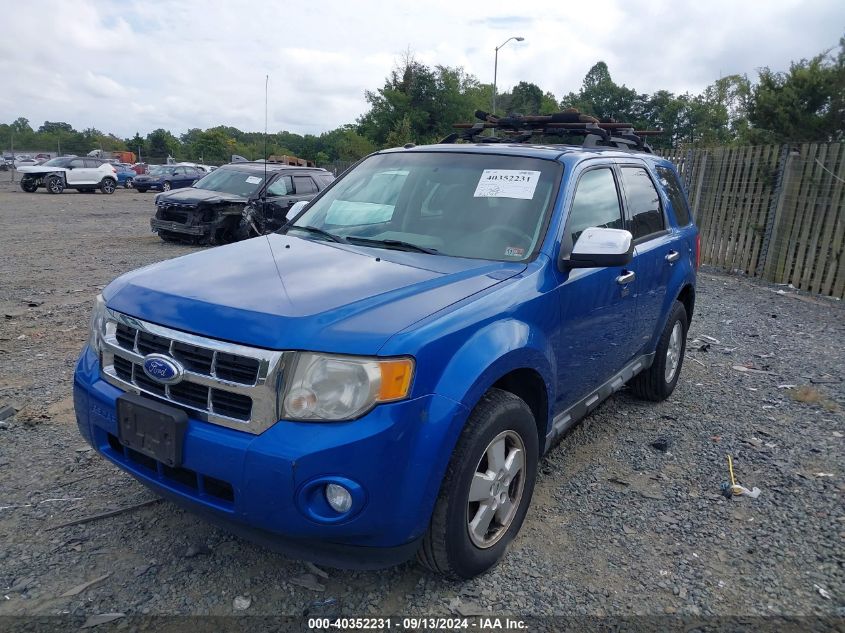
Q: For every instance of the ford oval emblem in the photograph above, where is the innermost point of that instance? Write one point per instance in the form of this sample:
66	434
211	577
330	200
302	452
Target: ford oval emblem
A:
163	369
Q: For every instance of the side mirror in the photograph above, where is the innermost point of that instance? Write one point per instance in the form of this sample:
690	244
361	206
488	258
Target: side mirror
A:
296	208
601	248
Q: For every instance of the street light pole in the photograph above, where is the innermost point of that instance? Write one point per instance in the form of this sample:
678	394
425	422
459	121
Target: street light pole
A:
496	66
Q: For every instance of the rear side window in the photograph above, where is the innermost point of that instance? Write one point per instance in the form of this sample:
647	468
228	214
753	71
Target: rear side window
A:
670	182
643	202
324	180
303	184
596	204
90	163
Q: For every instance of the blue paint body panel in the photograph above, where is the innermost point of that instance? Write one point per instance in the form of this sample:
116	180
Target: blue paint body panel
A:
467	323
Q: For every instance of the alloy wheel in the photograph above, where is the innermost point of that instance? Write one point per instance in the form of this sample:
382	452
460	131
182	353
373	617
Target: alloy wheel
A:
496	489
673	351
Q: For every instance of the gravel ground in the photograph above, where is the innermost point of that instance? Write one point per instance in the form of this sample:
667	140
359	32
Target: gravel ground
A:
627	518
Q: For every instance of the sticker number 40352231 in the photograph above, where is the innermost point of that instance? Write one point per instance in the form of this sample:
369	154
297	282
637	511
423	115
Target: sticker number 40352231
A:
507	183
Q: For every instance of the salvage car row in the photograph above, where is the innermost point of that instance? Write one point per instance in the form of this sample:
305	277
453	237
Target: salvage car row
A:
234	202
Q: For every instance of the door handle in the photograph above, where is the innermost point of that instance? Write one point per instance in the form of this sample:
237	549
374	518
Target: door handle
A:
626	277
673	256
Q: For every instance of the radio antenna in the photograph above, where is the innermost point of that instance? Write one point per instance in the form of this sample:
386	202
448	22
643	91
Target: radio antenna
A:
266	86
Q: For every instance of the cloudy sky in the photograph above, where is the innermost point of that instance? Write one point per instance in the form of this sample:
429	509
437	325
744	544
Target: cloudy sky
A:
124	66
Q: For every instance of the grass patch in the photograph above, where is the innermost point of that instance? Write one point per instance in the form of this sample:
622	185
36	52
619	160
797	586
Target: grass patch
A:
810	395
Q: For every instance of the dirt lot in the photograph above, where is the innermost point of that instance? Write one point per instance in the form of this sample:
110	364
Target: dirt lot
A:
617	526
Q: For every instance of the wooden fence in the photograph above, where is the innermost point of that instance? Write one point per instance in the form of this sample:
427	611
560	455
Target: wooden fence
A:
776	212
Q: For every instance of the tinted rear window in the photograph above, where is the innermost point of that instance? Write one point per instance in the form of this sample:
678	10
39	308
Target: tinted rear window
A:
670	182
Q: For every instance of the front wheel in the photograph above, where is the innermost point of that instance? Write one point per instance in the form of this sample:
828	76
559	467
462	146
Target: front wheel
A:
166	186
486	491
108	186
55	184
658	381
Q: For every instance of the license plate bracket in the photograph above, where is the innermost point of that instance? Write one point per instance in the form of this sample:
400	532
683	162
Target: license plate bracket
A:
151	428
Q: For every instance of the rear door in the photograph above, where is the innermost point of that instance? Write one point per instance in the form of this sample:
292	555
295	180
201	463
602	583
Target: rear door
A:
654	250
304	187
597	304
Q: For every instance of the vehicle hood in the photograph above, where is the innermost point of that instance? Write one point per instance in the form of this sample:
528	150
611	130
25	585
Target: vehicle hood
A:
38	169
191	195
285	292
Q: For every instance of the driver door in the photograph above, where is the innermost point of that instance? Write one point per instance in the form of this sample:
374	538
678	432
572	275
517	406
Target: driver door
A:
598	305
279	200
75	172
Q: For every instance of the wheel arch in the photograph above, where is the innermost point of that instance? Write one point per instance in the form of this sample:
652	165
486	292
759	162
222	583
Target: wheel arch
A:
510	355
687	297
527	383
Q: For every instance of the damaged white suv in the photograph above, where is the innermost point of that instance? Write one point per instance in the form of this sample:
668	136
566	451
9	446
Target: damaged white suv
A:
70	172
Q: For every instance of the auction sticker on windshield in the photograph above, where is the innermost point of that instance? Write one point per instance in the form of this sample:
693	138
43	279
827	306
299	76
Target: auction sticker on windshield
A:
253	180
507	183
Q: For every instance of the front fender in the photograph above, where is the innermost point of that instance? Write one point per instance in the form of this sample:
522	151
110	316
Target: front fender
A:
492	352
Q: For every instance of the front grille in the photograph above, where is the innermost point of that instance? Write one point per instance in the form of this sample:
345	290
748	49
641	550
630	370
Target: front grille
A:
172	215
236	368
202	360
223	383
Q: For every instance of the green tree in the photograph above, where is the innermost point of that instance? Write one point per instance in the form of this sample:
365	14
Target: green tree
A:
431	99
525	98
601	97
401	133
160	145
804	104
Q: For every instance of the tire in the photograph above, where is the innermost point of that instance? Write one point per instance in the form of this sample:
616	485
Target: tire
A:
166	186
108	186
55	184
141	189
28	186
127	184
451	546
658	381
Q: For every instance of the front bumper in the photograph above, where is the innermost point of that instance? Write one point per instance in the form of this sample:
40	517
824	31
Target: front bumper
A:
177	227
147	184
258	485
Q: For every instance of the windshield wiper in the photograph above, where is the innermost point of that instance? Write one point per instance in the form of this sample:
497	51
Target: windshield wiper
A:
395	244
317	231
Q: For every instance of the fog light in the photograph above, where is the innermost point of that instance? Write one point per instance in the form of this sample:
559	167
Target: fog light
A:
338	497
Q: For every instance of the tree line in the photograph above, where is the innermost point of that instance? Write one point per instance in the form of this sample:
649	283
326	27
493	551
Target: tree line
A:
419	104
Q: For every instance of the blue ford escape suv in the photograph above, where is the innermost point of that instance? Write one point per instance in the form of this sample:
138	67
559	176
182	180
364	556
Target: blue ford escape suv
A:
381	377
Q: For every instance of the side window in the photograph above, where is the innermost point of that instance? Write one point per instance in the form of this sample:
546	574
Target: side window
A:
669	179
325	180
643	202
303	184
596	204
179	171
280	187
77	163
91	164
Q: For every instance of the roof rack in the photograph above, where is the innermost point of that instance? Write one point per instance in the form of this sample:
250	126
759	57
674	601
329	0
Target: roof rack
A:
517	128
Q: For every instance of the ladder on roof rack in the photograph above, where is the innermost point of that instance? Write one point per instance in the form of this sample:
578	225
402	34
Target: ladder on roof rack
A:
522	129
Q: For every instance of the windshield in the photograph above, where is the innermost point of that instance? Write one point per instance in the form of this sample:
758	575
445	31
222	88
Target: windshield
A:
235	181
61	161
465	205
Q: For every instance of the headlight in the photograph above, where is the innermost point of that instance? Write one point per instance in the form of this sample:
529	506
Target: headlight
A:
323	387
98	323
